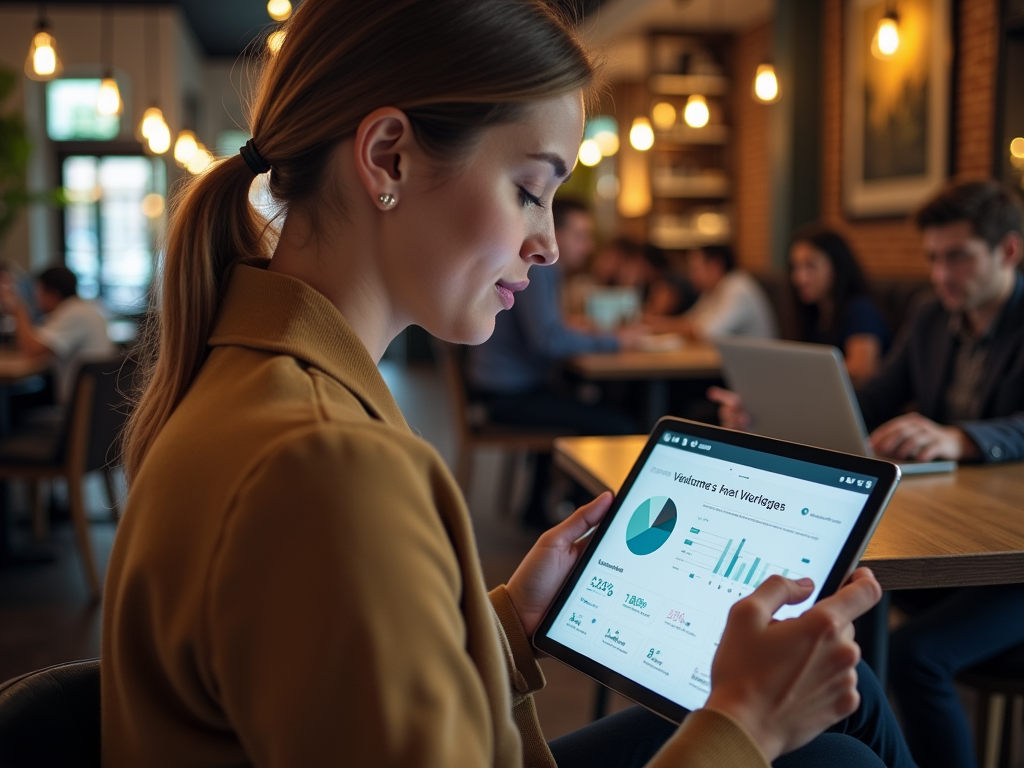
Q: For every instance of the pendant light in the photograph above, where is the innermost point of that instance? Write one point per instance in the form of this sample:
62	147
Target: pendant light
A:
279	10
185	147
590	153
108	101
664	115
42	62
153	127
696	113
766	85
275	40
641	135
886	41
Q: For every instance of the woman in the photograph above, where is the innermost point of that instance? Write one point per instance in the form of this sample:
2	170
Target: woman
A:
294	582
830	301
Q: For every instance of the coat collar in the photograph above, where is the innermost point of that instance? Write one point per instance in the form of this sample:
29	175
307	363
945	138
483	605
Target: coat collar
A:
275	313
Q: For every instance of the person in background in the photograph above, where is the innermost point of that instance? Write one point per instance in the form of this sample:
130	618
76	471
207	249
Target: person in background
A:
664	293
960	360
731	302
514	373
830	301
72	328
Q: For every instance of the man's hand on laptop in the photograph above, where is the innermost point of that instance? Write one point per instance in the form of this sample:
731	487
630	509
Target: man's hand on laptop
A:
913	437
731	413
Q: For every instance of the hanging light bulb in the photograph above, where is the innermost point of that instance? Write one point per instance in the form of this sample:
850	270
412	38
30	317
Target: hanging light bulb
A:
696	113
766	84
201	159
664	115
159	139
590	153
152	118
279	10
184	147
108	102
607	142
641	135
154	130
42	62
886	41
275	40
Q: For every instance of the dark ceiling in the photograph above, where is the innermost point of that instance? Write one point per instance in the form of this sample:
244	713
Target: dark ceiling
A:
226	27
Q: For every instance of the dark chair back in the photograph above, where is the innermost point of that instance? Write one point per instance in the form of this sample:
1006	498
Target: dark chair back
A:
111	383
52	717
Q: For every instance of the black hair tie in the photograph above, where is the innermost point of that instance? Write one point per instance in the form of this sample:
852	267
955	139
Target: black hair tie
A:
253	158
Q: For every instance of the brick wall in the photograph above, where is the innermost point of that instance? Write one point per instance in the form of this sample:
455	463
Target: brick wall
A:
750	157
891	247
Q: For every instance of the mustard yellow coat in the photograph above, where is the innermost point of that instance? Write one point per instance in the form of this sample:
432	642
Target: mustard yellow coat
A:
295	581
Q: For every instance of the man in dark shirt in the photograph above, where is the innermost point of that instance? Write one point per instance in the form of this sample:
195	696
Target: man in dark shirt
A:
514	372
961	361
959	364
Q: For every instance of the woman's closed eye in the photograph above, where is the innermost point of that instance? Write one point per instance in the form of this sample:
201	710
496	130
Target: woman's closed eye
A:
527	198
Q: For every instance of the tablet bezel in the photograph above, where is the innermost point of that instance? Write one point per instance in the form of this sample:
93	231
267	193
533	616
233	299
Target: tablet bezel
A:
888	475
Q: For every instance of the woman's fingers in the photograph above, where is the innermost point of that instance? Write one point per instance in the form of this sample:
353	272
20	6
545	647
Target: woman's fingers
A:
582	520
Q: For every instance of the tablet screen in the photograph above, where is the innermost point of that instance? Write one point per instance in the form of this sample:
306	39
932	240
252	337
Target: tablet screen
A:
702	526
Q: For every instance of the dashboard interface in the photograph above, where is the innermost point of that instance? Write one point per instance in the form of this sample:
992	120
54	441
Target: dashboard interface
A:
702	526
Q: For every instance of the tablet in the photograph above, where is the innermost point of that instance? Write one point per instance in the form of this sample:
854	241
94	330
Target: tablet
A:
704	517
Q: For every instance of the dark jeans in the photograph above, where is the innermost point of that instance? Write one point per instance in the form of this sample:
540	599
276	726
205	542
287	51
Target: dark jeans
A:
869	738
548	409
948	631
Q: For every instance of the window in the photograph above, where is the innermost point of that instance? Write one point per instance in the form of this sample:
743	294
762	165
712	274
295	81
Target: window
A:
71	112
110	226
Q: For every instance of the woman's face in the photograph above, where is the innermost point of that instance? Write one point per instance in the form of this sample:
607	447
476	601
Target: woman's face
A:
468	239
811	273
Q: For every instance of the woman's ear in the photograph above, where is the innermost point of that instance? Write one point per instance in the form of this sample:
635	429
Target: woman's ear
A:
383	145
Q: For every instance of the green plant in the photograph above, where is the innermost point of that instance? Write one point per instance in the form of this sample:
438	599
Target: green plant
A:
15	149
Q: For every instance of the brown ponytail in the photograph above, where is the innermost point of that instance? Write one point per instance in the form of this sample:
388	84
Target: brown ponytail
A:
455	67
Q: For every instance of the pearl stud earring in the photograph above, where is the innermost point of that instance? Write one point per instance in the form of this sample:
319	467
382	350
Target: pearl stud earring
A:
388	201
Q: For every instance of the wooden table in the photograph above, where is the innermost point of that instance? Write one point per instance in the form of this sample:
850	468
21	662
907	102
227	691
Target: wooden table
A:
692	361
16	366
961	529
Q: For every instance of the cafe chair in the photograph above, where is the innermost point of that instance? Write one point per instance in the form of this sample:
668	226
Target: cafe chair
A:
998	684
51	717
474	431
84	441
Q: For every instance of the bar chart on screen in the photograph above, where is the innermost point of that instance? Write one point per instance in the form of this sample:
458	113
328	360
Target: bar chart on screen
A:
728	563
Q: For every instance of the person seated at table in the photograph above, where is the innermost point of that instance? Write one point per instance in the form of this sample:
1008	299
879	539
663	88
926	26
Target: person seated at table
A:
830	301
664	292
72	328
730	302
960	360
514	372
295	581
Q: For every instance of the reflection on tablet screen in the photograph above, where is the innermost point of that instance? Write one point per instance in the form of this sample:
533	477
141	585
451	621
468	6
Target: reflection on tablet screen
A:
703	525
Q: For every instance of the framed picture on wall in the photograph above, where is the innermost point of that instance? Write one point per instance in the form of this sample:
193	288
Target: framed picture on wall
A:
896	104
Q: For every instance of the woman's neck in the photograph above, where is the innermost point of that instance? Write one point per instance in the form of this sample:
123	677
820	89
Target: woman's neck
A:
339	262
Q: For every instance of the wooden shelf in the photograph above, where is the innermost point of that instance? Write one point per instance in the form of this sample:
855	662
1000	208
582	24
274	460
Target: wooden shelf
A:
667	185
684	134
684	85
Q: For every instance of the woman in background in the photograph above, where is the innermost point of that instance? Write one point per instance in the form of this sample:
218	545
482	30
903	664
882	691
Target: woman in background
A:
830	301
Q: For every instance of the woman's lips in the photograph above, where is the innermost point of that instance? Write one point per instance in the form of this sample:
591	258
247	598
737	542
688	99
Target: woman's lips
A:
506	291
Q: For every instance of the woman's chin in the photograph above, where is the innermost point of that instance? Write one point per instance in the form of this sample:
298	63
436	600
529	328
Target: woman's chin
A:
469	331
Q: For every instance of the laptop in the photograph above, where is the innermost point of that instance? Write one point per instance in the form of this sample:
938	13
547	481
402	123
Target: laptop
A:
802	393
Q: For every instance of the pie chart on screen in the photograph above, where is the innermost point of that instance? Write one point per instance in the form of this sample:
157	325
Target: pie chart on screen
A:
651	525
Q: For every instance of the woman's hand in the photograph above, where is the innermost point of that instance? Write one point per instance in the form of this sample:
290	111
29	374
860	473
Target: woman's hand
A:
787	681
731	413
537	579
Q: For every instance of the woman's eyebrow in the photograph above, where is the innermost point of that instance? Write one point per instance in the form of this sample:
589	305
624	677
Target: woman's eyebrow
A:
559	165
